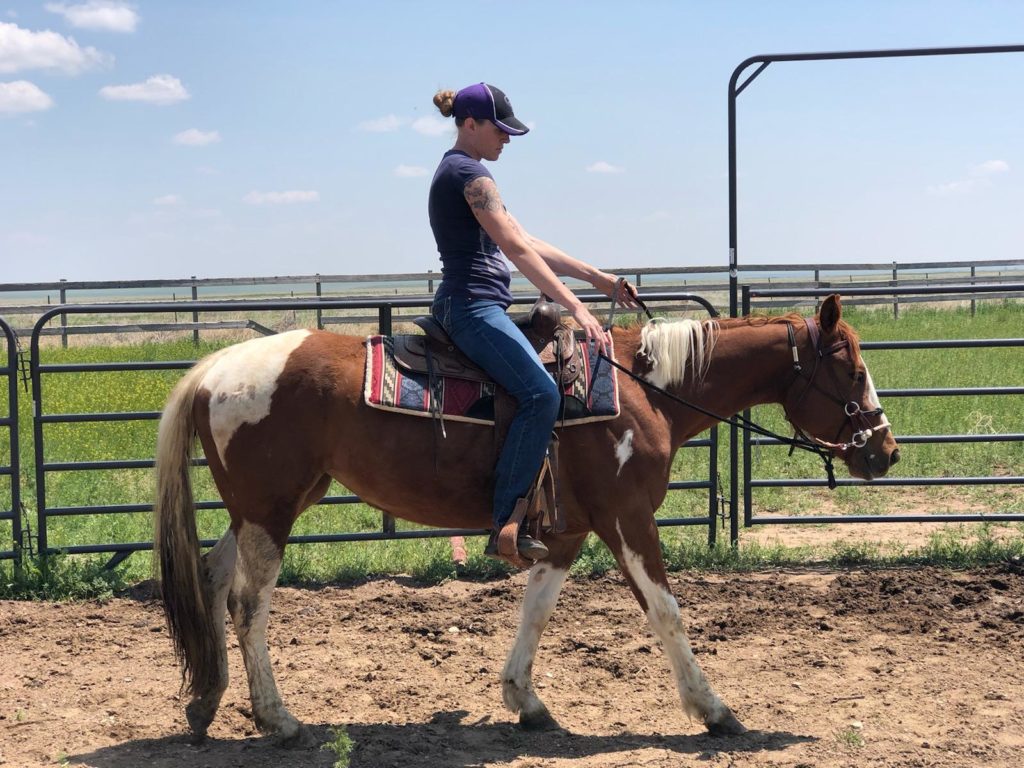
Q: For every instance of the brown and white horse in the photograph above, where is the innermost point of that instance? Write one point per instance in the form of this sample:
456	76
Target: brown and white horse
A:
279	417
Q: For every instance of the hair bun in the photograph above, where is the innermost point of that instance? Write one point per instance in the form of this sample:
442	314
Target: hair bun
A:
445	102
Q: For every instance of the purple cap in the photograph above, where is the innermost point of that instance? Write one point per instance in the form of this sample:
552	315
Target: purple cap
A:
485	102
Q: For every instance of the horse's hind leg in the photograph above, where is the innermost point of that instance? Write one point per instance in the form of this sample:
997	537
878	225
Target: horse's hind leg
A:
219	567
542	590
259	562
639	555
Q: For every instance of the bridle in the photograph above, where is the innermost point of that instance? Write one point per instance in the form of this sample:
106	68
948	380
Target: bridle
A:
858	420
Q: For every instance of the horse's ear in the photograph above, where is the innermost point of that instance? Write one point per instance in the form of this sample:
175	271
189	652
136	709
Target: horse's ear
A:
831	311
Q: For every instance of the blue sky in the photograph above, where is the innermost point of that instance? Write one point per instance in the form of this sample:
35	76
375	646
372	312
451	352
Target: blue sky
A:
168	139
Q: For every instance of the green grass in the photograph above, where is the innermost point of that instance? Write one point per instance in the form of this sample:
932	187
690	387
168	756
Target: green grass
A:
430	561
341	745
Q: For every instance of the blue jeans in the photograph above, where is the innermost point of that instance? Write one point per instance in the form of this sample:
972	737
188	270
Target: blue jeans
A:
487	336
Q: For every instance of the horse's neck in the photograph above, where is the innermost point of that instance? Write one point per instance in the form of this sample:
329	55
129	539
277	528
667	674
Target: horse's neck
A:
750	365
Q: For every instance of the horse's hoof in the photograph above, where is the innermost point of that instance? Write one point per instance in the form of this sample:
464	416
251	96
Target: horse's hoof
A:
298	738
726	725
540	720
199	719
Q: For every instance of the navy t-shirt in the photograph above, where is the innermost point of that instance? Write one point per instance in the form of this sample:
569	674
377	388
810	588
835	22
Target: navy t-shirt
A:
471	264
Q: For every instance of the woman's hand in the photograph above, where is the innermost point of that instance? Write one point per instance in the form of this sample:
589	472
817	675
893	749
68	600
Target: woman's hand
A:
606	283
594	330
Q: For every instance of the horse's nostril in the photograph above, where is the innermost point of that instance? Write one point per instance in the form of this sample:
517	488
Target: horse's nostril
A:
894	457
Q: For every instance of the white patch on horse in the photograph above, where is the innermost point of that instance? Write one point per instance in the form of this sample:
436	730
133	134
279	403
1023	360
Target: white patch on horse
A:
242	382
663	614
624	449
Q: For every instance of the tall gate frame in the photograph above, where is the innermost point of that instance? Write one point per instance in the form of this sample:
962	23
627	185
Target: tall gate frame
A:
735	89
9	423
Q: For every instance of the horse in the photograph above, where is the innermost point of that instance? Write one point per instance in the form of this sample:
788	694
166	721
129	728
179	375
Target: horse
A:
279	417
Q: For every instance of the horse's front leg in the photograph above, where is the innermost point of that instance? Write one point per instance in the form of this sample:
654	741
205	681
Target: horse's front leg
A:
542	590
637	549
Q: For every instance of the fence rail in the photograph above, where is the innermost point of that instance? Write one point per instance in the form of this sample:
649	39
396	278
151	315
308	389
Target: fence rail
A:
386	316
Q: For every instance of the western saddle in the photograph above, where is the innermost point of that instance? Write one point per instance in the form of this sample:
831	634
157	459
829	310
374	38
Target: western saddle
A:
434	354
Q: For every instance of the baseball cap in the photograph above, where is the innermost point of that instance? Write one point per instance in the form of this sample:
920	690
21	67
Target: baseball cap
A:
486	102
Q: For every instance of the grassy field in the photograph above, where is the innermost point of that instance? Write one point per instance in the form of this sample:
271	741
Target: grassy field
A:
430	559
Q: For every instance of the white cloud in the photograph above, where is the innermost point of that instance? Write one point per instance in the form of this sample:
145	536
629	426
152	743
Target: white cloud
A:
193	137
990	168
384	124
602	166
431	125
410	171
22	96
167	200
279	198
158	89
107	15
978	177
23	49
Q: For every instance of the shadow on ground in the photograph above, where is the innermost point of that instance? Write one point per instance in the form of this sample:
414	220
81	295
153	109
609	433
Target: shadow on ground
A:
444	742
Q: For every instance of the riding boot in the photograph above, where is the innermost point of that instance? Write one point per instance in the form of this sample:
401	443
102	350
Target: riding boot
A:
528	547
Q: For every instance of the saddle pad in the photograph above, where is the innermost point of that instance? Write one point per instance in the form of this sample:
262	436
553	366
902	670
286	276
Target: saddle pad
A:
589	398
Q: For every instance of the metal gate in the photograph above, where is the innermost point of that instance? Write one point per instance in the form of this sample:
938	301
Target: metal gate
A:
10	500
44	373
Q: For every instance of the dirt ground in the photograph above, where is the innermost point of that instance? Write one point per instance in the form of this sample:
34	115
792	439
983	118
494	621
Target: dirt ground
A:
916	667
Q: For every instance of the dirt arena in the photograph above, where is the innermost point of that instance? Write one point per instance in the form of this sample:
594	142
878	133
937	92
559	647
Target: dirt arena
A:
919	667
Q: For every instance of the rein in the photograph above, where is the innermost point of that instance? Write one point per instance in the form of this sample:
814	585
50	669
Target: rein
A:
742	422
825	450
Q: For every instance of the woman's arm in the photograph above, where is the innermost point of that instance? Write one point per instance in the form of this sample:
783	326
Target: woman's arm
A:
485	202
562	263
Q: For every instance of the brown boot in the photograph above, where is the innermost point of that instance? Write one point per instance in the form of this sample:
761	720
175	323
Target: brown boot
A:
529	547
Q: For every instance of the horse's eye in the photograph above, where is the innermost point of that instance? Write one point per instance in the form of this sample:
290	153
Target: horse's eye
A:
860	377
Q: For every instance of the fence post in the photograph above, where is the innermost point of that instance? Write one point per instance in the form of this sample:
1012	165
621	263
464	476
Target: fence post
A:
63	317
430	282
384	326
319	312
972	283
195	315
895	298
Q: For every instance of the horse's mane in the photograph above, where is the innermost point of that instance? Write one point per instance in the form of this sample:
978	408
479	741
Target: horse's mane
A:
673	346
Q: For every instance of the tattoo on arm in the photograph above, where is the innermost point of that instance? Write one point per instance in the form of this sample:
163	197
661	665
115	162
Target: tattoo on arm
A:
482	195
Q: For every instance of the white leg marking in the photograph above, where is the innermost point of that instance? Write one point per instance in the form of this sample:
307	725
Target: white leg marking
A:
624	449
255	576
242	382
663	614
542	591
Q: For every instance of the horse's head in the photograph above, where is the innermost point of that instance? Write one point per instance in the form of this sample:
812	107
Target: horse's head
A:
832	400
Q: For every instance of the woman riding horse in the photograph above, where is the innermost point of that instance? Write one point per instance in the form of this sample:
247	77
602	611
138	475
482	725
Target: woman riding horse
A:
473	229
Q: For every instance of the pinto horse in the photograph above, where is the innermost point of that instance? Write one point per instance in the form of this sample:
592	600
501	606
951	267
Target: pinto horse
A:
279	417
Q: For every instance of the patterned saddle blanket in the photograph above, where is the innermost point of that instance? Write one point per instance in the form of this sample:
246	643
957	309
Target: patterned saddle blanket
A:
593	395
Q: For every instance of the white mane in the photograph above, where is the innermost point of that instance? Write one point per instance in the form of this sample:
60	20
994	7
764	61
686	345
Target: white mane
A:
672	347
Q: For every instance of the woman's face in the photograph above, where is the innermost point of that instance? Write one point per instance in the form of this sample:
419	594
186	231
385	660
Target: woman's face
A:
487	139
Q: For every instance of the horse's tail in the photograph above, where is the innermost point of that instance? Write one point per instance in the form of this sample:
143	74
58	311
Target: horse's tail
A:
176	542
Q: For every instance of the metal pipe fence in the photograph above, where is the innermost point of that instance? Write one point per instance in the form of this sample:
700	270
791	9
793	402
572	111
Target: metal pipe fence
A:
750	483
43	373
9	424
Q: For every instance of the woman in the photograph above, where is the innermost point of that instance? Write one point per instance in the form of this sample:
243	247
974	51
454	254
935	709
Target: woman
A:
473	229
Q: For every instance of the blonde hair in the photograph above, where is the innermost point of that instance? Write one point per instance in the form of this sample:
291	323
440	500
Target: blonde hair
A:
445	102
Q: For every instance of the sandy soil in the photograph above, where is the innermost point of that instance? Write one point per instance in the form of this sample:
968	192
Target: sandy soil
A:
886	668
